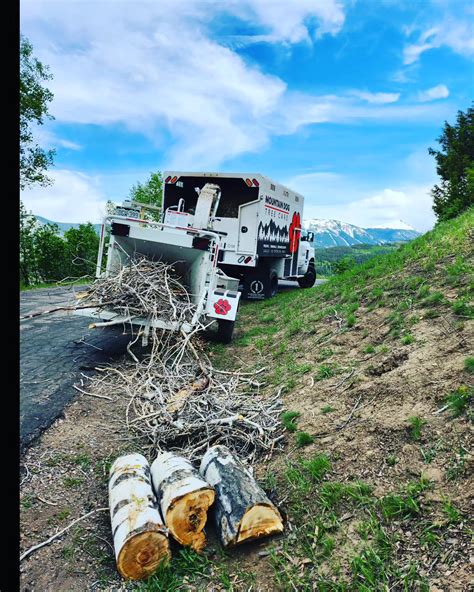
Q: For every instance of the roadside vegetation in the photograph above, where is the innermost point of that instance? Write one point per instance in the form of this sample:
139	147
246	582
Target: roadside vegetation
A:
336	260
46	257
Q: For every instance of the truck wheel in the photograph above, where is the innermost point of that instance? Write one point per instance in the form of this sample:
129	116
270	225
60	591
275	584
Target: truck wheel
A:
272	285
307	281
225	330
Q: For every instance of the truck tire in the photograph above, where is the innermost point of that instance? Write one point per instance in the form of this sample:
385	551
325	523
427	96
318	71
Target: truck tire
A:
261	285
225	329
307	281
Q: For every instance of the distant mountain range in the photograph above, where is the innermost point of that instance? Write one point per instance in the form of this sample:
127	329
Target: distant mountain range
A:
332	233
63	226
327	233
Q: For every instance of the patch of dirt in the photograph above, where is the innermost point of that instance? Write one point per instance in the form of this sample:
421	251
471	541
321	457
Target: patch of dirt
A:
65	476
368	437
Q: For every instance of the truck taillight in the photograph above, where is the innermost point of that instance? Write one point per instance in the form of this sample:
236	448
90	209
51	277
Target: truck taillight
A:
255	182
249	182
174	179
168	178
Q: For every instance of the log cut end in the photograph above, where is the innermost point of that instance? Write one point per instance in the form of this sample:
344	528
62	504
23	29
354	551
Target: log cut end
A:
187	516
142	554
261	520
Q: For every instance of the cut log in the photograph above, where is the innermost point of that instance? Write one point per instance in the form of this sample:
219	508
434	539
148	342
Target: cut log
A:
140	537
178	400
242	510
184	498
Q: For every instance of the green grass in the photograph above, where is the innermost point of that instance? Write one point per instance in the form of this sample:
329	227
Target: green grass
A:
469	365
316	467
187	568
325	371
459	400
26	502
303	439
288	419
407	339
72	482
369	349
461	308
416	423
24	288
433	299
452	513
351	320
327	409
405	503
317	508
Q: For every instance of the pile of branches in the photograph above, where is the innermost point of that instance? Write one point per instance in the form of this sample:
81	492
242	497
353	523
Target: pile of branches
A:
177	400
143	288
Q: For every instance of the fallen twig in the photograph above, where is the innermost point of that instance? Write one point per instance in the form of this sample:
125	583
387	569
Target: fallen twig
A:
91	394
58	534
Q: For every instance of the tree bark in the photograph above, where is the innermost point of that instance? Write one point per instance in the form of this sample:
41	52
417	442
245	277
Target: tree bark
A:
242	510
140	538
184	498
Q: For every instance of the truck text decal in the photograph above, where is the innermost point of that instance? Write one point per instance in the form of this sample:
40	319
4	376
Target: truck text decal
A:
276	204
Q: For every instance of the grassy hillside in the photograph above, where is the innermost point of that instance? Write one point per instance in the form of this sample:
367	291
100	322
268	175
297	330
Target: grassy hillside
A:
376	367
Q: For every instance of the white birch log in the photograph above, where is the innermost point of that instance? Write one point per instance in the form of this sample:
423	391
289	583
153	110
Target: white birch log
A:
184	498
242	510
140	538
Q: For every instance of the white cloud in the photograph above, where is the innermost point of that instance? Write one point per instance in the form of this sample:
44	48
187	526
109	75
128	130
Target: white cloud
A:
47	139
377	98
73	197
432	94
453	32
342	197
290	22
158	69
412	204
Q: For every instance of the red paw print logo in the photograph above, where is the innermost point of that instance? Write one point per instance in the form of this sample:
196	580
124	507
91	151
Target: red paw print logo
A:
222	307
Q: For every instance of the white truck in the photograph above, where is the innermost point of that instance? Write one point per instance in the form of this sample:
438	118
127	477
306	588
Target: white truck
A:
259	222
218	230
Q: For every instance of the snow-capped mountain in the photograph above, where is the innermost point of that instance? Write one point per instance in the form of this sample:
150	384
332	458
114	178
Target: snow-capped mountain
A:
333	233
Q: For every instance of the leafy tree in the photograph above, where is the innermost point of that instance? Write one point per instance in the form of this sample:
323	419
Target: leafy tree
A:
27	247
150	192
34	99
455	166
82	248
51	253
344	264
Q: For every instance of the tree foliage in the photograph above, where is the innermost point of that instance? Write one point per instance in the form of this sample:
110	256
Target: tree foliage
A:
82	247
150	192
46	256
455	166
34	99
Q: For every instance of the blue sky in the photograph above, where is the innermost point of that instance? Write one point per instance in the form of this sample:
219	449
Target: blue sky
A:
339	100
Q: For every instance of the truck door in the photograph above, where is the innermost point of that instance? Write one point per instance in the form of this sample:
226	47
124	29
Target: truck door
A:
247	236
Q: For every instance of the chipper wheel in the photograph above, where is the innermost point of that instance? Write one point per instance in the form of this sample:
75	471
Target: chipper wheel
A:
225	330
